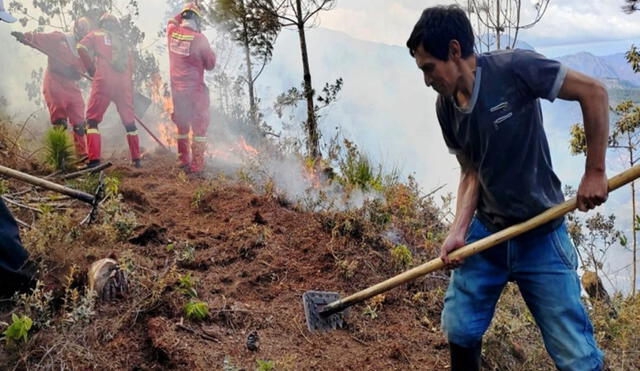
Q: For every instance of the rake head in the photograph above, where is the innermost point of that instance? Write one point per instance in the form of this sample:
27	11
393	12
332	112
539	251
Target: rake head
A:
314	302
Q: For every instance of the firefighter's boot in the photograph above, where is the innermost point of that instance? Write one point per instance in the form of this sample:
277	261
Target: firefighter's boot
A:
134	144
184	158
93	143
198	148
60	124
80	141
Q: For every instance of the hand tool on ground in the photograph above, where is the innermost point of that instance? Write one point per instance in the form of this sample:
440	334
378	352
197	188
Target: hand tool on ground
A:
324	310
93	200
141	103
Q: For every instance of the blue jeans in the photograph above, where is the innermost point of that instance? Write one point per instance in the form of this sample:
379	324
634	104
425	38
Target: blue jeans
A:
544	268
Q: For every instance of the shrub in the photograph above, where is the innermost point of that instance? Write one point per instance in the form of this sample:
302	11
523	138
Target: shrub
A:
357	171
265	365
59	149
186	285
401	257
18	330
196	310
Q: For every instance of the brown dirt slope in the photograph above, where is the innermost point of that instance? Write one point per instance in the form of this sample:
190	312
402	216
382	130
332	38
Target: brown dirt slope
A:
251	257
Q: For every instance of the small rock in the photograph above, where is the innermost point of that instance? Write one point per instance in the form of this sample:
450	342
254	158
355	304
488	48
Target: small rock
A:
253	341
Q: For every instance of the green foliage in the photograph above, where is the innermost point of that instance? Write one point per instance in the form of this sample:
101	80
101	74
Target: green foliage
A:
373	306
265	365
198	196
117	216
578	140
111	186
18	330
59	148
186	285
37	305
370	312
87	184
357	171
633	58
196	310
249	25
401	257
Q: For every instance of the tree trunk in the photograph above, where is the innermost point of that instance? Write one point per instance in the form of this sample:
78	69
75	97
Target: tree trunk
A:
253	109
498	24
633	224
313	137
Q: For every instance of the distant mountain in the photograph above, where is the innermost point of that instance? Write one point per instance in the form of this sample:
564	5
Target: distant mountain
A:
622	68
505	40
613	70
589	64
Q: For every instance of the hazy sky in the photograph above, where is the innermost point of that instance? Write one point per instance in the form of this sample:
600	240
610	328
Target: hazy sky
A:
566	21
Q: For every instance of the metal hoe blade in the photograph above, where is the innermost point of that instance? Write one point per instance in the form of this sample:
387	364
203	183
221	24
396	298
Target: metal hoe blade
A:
313	302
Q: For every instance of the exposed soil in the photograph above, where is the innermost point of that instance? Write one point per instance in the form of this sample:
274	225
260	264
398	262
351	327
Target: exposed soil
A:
253	260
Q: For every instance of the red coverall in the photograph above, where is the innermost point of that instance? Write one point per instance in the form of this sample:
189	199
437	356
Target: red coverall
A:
189	55
61	91
109	85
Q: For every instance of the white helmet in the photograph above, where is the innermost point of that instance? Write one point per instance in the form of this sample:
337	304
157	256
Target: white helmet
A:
4	15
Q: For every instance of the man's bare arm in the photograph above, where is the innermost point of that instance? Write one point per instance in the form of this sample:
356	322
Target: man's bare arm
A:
594	102
466	203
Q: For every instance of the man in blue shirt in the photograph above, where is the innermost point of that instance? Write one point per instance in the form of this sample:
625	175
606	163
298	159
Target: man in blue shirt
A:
489	112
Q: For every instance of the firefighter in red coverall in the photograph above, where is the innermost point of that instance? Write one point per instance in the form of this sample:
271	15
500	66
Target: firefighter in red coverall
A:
108	60
190	55
61	91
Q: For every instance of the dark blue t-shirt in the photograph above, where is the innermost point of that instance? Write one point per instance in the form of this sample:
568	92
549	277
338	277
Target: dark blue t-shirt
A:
501	135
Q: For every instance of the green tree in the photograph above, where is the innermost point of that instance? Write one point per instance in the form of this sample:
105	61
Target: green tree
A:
625	138
255	30
633	57
302	14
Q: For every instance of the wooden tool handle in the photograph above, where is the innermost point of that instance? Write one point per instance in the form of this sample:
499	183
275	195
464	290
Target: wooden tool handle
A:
555	212
47	184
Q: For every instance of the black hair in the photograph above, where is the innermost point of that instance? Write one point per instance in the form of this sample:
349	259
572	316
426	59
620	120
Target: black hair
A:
439	25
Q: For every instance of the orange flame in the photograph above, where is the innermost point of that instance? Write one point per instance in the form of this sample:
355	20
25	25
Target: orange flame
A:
168	132
311	174
161	96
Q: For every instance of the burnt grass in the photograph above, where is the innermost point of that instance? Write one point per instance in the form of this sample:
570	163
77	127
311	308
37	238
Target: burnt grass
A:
251	257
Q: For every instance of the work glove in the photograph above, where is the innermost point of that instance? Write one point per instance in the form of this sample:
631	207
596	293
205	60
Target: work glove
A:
107	280
19	36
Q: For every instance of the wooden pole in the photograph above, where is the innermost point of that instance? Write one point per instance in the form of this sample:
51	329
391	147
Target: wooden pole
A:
46	184
473	248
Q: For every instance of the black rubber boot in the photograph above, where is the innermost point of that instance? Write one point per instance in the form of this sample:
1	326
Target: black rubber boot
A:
93	163
60	124
465	359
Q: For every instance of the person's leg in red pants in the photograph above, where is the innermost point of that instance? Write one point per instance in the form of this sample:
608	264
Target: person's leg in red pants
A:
183	112
75	112
98	103
123	98
199	126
